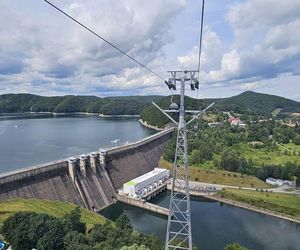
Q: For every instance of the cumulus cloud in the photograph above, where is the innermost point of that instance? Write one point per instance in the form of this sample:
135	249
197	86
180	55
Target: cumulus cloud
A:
51	51
43	52
266	45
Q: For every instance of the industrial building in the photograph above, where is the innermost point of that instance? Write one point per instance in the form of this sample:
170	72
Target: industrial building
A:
279	182
146	183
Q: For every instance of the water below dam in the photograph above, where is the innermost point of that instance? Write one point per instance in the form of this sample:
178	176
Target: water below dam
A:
215	225
30	139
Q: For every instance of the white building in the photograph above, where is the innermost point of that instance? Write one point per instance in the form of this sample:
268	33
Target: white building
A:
146	183
279	182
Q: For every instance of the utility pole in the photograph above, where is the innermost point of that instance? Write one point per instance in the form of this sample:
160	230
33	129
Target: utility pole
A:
179	229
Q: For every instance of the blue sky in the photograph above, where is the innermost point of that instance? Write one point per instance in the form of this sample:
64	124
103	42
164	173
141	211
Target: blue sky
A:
248	45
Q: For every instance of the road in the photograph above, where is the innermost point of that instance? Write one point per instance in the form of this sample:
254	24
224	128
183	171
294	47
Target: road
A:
218	187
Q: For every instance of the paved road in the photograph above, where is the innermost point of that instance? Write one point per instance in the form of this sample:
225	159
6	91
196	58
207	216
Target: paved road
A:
197	184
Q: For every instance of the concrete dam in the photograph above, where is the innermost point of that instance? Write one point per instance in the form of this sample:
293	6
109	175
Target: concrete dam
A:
89	181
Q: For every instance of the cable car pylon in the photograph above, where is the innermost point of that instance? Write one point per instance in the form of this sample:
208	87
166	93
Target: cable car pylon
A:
179	229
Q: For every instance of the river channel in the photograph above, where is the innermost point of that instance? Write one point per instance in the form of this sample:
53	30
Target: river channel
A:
215	224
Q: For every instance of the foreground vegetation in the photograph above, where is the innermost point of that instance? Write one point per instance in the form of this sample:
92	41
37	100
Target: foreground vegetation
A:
28	230
57	209
286	204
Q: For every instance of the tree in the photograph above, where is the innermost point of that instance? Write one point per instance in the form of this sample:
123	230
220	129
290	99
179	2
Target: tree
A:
76	241
235	246
231	160
123	222
27	230
135	247
297	140
72	221
53	238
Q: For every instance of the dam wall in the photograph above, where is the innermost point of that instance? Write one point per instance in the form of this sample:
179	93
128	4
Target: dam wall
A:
50	182
88	180
126	163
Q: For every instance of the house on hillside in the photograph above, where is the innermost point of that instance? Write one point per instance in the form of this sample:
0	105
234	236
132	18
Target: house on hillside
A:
236	122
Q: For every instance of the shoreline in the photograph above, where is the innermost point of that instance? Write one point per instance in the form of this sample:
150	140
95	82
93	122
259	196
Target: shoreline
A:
73	113
145	124
252	208
107	116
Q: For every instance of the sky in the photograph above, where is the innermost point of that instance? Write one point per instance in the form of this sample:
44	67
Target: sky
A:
247	45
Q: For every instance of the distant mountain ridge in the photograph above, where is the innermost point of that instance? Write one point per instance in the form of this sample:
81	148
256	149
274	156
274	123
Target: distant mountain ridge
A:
248	102
127	105
256	102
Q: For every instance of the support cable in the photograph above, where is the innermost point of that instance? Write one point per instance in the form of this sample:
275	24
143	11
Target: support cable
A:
103	39
200	43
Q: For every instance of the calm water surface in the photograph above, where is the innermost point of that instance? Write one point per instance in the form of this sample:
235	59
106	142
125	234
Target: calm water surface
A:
215	225
27	140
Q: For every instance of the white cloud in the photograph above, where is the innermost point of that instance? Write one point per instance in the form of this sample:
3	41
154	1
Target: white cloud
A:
266	45
57	51
43	52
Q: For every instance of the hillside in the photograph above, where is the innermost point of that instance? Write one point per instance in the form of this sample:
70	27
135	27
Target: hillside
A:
54	208
127	105
245	103
252	102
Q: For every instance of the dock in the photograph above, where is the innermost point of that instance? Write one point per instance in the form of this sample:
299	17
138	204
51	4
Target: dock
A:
143	204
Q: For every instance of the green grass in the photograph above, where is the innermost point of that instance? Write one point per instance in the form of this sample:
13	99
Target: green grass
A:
54	208
216	176
263	156
287	204
275	112
290	147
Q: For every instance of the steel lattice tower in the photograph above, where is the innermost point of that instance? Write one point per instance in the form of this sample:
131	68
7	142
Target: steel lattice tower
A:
179	230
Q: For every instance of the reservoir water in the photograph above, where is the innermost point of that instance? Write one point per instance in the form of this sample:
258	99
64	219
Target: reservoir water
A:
215	225
28	139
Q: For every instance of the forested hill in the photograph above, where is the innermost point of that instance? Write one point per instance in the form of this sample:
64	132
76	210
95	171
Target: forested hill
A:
252	102
245	103
249	102
127	105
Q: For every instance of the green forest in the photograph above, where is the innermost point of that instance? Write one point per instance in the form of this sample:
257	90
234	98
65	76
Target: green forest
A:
250	104
127	105
263	149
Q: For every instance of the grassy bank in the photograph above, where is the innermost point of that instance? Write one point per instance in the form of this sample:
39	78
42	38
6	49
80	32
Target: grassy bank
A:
216	176
285	204
54	208
285	153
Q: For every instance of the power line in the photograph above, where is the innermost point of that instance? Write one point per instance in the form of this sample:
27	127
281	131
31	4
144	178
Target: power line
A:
200	38
103	39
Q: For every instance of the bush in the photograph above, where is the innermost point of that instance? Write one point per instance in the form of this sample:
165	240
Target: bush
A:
297	140
31	230
235	246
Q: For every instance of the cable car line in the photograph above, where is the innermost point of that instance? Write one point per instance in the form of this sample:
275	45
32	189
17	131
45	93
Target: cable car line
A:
200	38
103	39
200	45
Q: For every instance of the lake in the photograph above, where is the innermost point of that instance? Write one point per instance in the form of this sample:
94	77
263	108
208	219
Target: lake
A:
30	139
